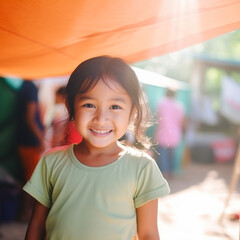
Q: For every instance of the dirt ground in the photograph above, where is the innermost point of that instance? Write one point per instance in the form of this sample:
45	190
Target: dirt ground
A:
195	207
192	210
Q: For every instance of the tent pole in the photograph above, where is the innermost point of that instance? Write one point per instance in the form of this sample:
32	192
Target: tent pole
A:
234	180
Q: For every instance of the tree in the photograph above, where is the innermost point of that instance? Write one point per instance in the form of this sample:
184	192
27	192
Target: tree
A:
177	65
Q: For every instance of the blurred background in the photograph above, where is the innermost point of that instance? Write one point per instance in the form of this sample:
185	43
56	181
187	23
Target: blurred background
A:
205	193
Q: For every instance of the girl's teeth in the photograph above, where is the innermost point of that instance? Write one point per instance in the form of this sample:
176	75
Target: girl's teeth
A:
100	131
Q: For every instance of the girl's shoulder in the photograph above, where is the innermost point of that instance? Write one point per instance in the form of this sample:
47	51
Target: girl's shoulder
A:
138	155
57	159
55	150
57	153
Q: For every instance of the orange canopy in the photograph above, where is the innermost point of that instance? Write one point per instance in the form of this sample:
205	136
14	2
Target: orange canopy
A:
42	38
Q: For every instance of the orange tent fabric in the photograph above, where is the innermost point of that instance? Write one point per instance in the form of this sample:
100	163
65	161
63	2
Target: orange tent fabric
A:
42	38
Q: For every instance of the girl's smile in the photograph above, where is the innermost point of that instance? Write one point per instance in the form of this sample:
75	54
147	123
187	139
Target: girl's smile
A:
100	132
102	115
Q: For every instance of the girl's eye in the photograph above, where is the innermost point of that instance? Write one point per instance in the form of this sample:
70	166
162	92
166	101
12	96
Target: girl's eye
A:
88	105
115	107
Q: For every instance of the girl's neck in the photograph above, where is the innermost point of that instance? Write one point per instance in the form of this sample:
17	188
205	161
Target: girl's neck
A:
96	157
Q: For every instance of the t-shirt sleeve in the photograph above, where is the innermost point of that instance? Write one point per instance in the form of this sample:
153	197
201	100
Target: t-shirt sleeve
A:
39	186
151	184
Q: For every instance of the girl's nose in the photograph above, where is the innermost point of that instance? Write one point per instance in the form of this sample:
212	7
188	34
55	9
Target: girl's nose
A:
101	115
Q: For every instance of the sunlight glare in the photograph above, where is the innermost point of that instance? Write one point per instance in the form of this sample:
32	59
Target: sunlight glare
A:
183	17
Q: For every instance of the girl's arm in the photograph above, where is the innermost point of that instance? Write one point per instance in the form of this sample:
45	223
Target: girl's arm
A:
36	228
147	228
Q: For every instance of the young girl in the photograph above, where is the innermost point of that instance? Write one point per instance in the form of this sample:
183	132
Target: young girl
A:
98	189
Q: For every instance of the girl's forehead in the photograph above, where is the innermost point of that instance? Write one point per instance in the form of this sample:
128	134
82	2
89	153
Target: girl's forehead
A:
102	86
109	83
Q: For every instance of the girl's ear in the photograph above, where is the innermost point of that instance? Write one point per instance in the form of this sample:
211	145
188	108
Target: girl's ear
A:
133	115
132	120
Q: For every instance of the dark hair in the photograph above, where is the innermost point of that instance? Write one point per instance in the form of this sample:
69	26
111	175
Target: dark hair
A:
88	73
171	92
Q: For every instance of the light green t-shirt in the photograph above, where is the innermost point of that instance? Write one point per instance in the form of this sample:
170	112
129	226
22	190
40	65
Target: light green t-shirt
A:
94	203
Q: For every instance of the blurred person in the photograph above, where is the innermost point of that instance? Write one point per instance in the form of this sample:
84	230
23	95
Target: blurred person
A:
30	136
171	124
59	120
99	188
11	172
63	131
60	110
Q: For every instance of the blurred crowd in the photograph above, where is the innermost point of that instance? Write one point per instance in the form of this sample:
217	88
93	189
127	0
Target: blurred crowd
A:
33	120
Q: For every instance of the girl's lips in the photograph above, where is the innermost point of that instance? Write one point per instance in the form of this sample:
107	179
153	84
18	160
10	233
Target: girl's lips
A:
102	132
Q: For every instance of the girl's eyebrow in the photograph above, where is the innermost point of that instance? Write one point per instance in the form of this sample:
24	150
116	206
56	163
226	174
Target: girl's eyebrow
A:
85	97
117	99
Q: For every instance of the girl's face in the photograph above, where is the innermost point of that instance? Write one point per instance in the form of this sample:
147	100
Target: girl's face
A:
102	115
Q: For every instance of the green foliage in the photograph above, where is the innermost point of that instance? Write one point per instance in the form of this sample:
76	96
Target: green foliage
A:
213	80
178	65
235	76
226	46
